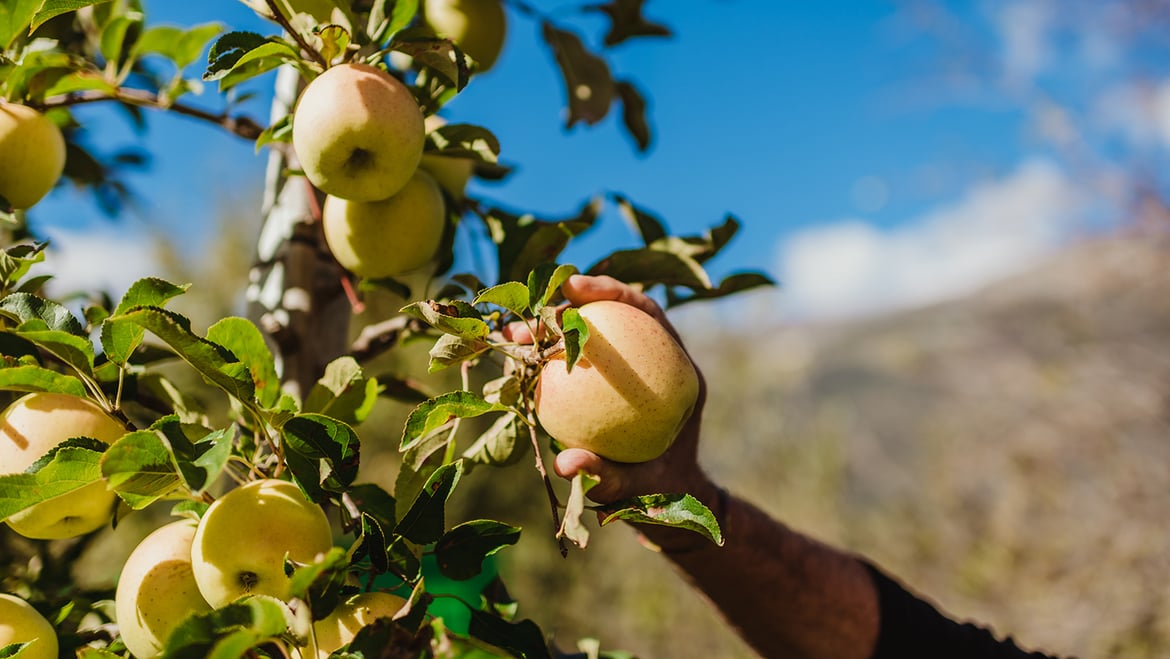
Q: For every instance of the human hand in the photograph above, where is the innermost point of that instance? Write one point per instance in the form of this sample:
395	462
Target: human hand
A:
677	470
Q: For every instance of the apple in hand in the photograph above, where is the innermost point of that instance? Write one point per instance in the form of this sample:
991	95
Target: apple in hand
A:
451	173
338	628
358	133
32	154
630	393
157	589
29	428
478	27
386	238
242	540
21	623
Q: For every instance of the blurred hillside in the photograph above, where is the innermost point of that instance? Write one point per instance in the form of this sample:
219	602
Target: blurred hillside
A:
1007	454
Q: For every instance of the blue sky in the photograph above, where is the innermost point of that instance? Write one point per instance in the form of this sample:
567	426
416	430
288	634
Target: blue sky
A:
860	171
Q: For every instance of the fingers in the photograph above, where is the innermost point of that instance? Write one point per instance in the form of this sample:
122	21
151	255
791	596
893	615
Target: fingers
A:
583	289
570	461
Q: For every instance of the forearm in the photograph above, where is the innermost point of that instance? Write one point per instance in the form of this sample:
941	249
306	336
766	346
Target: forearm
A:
785	593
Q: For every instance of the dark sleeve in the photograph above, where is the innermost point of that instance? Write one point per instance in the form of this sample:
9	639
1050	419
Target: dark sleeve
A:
911	628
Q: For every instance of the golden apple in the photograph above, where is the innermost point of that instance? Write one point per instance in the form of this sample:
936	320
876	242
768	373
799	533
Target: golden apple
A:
157	589
242	540
21	623
29	428
358	133
630	393
338	628
32	154
386	238
452	174
478	27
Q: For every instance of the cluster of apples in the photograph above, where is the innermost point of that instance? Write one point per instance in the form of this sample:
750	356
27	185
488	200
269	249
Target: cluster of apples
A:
359	136
32	155
237	548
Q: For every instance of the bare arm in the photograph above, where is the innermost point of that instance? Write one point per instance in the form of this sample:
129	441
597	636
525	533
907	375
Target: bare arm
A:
786	594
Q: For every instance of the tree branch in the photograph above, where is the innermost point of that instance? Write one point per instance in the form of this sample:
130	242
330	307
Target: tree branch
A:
244	127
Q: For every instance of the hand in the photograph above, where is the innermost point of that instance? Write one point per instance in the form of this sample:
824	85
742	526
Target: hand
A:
677	470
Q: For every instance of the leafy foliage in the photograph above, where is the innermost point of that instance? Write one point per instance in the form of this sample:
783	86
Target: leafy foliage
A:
238	423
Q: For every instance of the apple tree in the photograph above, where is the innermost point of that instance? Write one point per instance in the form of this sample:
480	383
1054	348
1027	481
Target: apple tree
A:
278	547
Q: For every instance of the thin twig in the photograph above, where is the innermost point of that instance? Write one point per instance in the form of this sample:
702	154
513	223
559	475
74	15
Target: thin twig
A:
245	127
554	503
288	28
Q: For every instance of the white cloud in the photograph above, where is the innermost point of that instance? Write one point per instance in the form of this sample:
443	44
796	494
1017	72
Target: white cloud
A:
1024	29
998	228
95	259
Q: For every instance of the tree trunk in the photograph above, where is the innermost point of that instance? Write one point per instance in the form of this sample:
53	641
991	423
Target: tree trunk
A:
295	291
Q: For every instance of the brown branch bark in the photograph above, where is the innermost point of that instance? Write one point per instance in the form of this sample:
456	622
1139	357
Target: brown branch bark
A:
242	126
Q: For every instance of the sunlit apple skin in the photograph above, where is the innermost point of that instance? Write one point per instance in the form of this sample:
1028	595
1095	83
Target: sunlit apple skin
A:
241	542
29	428
21	623
32	154
358	133
452	174
628	396
339	627
478	27
157	590
386	238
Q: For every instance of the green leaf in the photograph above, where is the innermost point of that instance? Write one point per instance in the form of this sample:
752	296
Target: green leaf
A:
244	340
627	22
14	649
140	468
70	469
36	378
524	242
343	392
634	114
498	446
113	37
381	26
650	267
322	452
461	551
512	295
279	131
230	631
589	88
15	18
73	350
731	284
26	306
677	510
120	338
323	578
370	499
226	52
450	350
523	639
575	333
15	261
648	226
458	318
439	55
572	526
215	363
437	412
52	8
544	283
464	141
423	522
